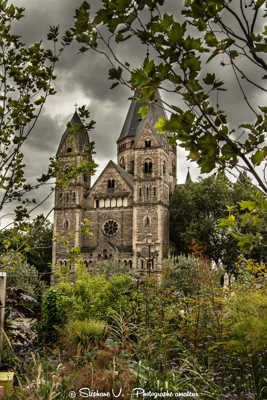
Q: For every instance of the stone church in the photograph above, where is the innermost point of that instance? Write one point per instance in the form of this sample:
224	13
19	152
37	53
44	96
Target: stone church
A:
129	201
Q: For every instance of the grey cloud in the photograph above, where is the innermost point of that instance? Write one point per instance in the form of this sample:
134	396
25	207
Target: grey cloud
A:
45	135
86	76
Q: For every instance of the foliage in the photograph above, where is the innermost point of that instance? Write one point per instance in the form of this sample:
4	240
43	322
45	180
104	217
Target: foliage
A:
23	276
52	314
27	80
42	381
188	274
257	269
23	293
8	357
246	319
85	330
112	266
246	223
197	208
115	334
32	243
27	75
89	296
187	376
183	52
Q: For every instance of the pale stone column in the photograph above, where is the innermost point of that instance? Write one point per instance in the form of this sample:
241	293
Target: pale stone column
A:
77	229
160	236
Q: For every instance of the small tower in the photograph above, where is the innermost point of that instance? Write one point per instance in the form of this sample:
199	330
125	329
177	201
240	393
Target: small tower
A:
69	199
151	160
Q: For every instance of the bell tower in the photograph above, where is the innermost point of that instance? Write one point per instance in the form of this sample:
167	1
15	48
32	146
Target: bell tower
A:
70	192
151	160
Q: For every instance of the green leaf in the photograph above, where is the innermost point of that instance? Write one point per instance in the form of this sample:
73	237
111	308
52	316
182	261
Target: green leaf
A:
176	34
160	125
259	3
246	205
143	111
209	79
115	73
210	39
259	156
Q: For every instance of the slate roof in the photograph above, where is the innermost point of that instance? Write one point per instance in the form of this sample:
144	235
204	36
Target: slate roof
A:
128	177
134	122
81	134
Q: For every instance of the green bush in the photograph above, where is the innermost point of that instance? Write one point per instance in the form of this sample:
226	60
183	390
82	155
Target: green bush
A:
85	330
246	320
52	314
23	276
90	296
188	274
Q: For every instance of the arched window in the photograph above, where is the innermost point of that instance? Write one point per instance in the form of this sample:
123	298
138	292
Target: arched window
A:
131	169
74	196
122	163
164	168
66	224
69	150
148	143
130	264
148	167
67	196
154	191
140	193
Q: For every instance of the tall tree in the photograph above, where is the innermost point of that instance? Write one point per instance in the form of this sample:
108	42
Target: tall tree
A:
196	210
26	81
181	54
33	244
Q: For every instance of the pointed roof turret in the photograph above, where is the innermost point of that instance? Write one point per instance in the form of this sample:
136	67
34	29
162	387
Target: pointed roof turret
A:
76	128
134	122
188	177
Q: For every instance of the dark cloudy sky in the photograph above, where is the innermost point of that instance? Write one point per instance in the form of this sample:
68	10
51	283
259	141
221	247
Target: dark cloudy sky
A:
82	79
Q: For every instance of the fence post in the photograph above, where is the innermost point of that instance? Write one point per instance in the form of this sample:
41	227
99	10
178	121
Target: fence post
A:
2	305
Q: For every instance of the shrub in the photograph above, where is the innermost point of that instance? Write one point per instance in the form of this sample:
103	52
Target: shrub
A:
89	296
246	320
23	276
86	330
188	274
53	314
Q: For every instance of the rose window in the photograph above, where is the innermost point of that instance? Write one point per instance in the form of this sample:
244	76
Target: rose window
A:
111	227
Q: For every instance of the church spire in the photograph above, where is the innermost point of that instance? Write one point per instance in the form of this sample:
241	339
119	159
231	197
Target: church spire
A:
134	122
75	130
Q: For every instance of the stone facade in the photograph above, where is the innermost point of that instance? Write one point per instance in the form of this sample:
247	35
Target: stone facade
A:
128	201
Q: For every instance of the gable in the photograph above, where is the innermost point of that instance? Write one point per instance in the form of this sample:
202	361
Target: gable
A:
112	181
146	134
